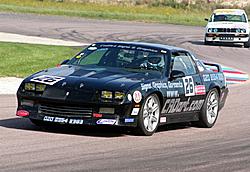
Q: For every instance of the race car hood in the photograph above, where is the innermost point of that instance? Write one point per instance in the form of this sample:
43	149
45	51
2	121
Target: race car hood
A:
228	25
83	82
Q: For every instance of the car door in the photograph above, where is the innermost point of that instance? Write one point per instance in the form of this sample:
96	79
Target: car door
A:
189	85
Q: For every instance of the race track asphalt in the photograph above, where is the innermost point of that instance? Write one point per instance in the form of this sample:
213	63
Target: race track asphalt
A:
225	147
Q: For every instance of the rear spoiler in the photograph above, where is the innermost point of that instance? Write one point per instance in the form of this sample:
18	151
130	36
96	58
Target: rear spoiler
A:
213	66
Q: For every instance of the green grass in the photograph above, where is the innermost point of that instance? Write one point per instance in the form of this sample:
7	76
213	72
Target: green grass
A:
160	14
21	60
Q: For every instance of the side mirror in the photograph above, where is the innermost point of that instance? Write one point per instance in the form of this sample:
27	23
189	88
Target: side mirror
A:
64	62
206	19
177	74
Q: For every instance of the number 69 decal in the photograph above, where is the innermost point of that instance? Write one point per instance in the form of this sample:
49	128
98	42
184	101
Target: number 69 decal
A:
189	86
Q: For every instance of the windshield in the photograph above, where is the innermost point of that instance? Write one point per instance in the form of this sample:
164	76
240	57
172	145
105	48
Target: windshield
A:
228	17
120	56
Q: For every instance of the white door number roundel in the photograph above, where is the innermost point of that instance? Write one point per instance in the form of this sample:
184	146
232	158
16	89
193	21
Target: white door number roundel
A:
189	86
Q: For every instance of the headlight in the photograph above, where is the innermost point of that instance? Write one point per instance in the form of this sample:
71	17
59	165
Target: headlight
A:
209	30
29	86
243	31
238	30
40	87
119	95
215	30
107	95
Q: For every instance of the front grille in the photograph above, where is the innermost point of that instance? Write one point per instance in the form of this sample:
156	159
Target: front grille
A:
227	35
65	111
227	30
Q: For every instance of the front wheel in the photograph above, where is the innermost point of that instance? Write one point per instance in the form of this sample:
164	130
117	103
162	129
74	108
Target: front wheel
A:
247	44
149	116
207	42
210	110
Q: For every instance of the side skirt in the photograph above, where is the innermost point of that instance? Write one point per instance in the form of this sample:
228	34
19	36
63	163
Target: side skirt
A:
180	117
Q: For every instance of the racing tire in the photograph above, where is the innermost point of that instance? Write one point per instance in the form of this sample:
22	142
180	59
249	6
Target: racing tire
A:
37	122
247	44
210	110
149	116
207	42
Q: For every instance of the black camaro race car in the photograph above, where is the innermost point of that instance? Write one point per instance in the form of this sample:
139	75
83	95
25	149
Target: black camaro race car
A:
139	85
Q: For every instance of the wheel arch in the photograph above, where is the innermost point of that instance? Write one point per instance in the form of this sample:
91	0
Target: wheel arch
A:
215	86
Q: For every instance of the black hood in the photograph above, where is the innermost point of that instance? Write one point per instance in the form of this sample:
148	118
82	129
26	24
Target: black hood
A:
99	78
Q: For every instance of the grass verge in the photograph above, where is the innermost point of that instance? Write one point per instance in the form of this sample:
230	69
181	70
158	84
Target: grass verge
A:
160	14
21	60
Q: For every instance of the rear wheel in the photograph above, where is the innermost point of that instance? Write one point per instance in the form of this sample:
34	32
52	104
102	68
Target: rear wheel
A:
149	116
210	109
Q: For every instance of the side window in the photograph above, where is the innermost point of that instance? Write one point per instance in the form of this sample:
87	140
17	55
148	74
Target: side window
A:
182	61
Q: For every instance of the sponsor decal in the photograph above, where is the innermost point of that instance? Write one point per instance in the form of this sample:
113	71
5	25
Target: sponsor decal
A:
171	94
213	77
188	85
163	119
92	48
132	47
176	105
75	121
161	85
178	84
62	120
217	76
164	51
200	90
206	78
46	79
106	121
48	119
129	120
135	111
137	96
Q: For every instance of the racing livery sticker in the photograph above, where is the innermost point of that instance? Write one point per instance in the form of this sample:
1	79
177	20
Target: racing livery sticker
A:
176	105
46	79
171	94
163	119
75	121
137	96
62	120
161	85
206	78
106	121
213	77
135	111
129	120
200	90
188	86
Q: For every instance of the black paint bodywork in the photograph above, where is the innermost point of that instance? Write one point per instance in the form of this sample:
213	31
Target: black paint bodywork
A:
78	96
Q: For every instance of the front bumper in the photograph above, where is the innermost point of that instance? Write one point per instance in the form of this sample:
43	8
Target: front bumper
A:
78	114
224	37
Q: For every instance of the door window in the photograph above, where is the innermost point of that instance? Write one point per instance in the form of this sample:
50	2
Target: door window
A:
182	61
